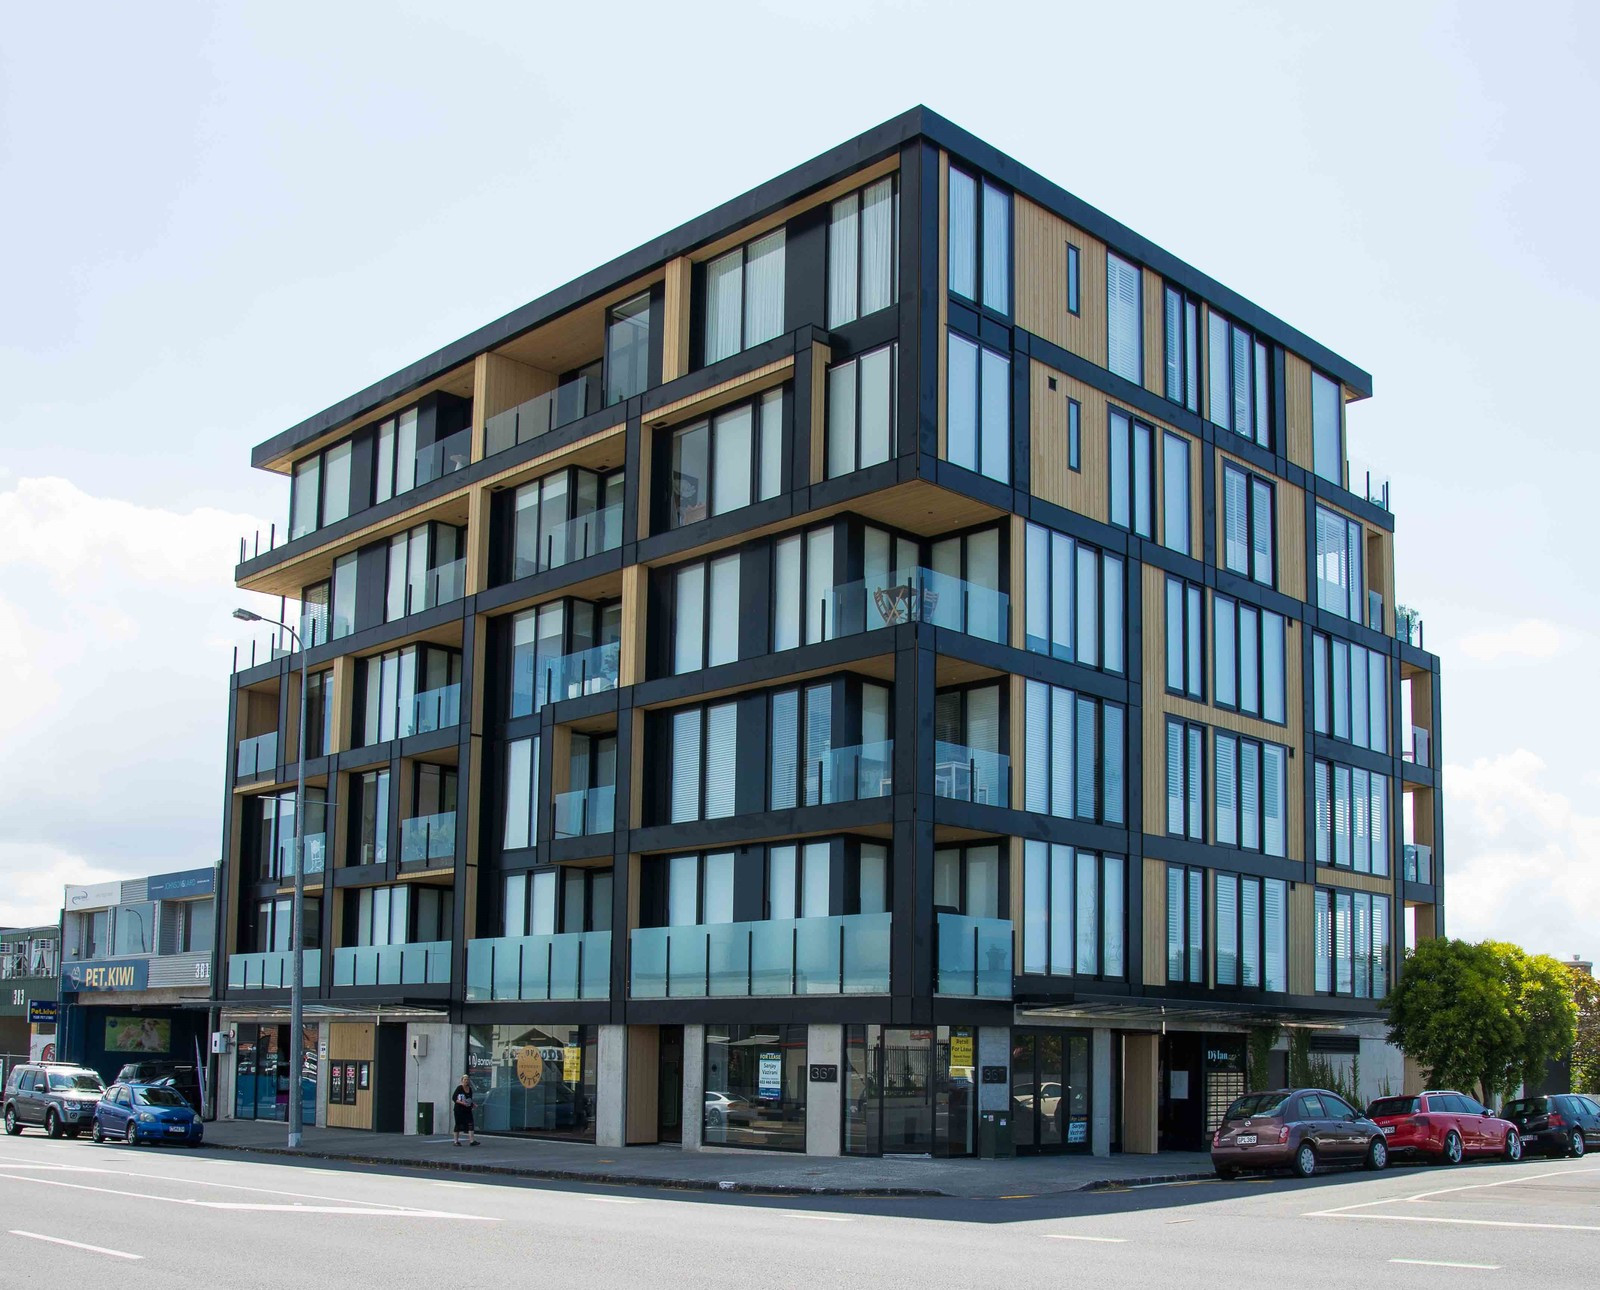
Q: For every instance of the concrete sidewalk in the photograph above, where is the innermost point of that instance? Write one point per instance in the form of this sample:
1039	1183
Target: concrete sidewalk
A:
719	1169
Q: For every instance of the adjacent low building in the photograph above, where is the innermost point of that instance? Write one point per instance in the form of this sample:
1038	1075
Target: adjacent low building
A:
136	970
898	653
29	987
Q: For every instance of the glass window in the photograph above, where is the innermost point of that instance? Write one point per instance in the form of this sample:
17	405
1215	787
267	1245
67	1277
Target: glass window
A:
344	595
1185	925
1185	639
305	496
980	241
1175	493
727	462
1124	319
744	297
1248	522
861	410
133	929
535	1080
1185	789
978	409
755	1082
863	235
1239	380
1181	348
1327	429
627	364
1339	581
1132	465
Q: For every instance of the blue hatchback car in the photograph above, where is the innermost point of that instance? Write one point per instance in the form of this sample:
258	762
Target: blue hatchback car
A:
138	1113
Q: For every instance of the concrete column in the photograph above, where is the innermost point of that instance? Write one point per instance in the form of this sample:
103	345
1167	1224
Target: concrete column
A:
319	1113
228	1072
694	1087
1100	1092
611	1097
825	1102
1141	1094
429	1078
994	1049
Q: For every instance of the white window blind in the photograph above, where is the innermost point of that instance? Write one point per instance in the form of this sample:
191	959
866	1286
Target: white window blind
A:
1124	306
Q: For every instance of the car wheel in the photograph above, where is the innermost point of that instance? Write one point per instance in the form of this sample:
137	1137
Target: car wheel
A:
12	1127
1305	1161
1452	1148
52	1123
97	1133
1377	1154
1513	1147
1577	1144
132	1136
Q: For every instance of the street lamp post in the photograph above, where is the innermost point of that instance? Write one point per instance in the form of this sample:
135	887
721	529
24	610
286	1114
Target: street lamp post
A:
297	1056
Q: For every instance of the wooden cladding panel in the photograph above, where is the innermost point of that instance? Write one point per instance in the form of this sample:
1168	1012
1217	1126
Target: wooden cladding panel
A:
1141	1094
353	1042
1290	539
675	319
1041	286
1297	408
631	657
1345	880
477	569
1159	705
506	383
643	1090
1086	491
1155	922
343	700
1019	744
1155	360
1302	938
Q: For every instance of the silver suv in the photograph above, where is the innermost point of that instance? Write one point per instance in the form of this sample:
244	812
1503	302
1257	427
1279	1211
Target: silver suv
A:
57	1096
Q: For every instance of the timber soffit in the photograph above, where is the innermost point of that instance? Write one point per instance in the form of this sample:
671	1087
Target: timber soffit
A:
821	170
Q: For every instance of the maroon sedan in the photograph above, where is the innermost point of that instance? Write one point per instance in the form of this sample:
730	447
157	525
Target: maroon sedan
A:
1446	1126
1298	1129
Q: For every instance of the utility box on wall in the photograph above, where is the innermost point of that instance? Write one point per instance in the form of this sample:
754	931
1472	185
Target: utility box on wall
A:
419	1045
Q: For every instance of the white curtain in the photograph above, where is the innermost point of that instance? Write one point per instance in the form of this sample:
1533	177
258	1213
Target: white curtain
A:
724	286
879	207
763	294
843	251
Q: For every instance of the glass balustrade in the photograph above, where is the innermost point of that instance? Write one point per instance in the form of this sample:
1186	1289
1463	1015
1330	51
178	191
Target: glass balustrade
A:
918	596
316	845
1419	863
272	970
569	965
538	681
974	957
258	754
575	539
851	774
586	810
428	837
845	954
436	709
543	413
971	774
419	963
1421	749
448	455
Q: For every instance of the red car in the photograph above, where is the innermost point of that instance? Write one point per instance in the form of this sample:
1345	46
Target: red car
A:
1446	1125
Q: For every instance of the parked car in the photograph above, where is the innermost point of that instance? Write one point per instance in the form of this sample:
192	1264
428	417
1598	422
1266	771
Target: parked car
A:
1445	1125
139	1113
58	1096
1562	1124
1298	1129
728	1108
186	1079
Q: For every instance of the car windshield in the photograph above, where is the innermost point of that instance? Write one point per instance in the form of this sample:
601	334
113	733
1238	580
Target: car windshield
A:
1392	1106
75	1082
1255	1104
1525	1106
158	1097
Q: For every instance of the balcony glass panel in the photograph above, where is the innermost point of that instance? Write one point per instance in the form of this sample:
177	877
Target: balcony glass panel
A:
974	957
273	970
1419	863
846	954
258	754
971	774
542	414
445	457
437	709
428	837
576	539
572	965
852	774
919	595
1420	749
316	845
419	963
539	681
586	810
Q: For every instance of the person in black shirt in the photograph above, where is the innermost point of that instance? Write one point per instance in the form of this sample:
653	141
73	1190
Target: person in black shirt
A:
463	1100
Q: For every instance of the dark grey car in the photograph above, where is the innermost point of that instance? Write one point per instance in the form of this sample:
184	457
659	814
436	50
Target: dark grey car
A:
57	1096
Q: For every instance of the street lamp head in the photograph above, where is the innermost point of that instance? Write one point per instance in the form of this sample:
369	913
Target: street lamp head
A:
248	616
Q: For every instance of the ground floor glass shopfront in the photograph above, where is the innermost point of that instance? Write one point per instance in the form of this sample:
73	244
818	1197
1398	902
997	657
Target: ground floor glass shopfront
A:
1049	1090
756	1080
538	1080
261	1072
910	1090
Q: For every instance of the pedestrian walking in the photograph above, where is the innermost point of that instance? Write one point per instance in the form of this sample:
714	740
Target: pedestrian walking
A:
463	1099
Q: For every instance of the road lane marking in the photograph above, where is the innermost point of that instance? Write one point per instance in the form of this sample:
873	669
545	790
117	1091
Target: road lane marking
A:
77	1245
1103	1240
1459	1222
822	1218
614	1200
1440	1263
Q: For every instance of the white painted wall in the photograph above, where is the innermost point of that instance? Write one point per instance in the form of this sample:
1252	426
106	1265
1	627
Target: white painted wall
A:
430	1078
825	1102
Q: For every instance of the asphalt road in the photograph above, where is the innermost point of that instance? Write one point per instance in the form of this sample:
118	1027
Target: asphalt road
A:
76	1214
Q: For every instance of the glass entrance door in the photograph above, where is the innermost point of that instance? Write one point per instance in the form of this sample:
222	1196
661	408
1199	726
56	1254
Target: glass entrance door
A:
1049	1090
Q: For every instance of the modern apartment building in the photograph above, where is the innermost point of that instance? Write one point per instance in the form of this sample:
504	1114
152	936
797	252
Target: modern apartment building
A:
898	649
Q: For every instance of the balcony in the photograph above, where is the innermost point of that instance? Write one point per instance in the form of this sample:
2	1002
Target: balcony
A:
847	954
426	838
853	774
575	539
542	414
1375	610
570	965
971	774
1419	749
257	754
316	853
586	810
1419	863
419	963
918	596
547	680
273	970
445	457
1370	484
974	957
436	709
1408	625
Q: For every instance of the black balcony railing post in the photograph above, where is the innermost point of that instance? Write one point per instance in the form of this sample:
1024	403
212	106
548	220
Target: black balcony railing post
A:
272	536
749	961
972	779
578	984
708	965
841	958
974	957
794	960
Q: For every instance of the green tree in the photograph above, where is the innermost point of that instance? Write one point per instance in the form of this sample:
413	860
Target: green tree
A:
1485	1017
1586	1047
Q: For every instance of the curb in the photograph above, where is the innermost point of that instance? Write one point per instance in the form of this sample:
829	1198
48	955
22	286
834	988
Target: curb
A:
1150	1180
584	1176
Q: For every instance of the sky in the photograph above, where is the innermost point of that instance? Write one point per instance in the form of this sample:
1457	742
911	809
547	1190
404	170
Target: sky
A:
221	219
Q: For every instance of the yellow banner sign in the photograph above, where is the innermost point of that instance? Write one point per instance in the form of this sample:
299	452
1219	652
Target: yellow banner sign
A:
960	1051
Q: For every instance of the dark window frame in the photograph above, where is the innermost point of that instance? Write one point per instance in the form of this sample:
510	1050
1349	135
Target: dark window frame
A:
1191	604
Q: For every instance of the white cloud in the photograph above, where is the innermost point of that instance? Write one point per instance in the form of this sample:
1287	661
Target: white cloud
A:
1532	638
1519	858
115	643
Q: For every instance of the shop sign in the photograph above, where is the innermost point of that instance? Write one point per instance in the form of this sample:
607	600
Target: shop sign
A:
995	1075
181	886
43	1012
113	974
530	1067
824	1074
960	1051
1224	1059
99	895
770	1076
572	1065
1078	1131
